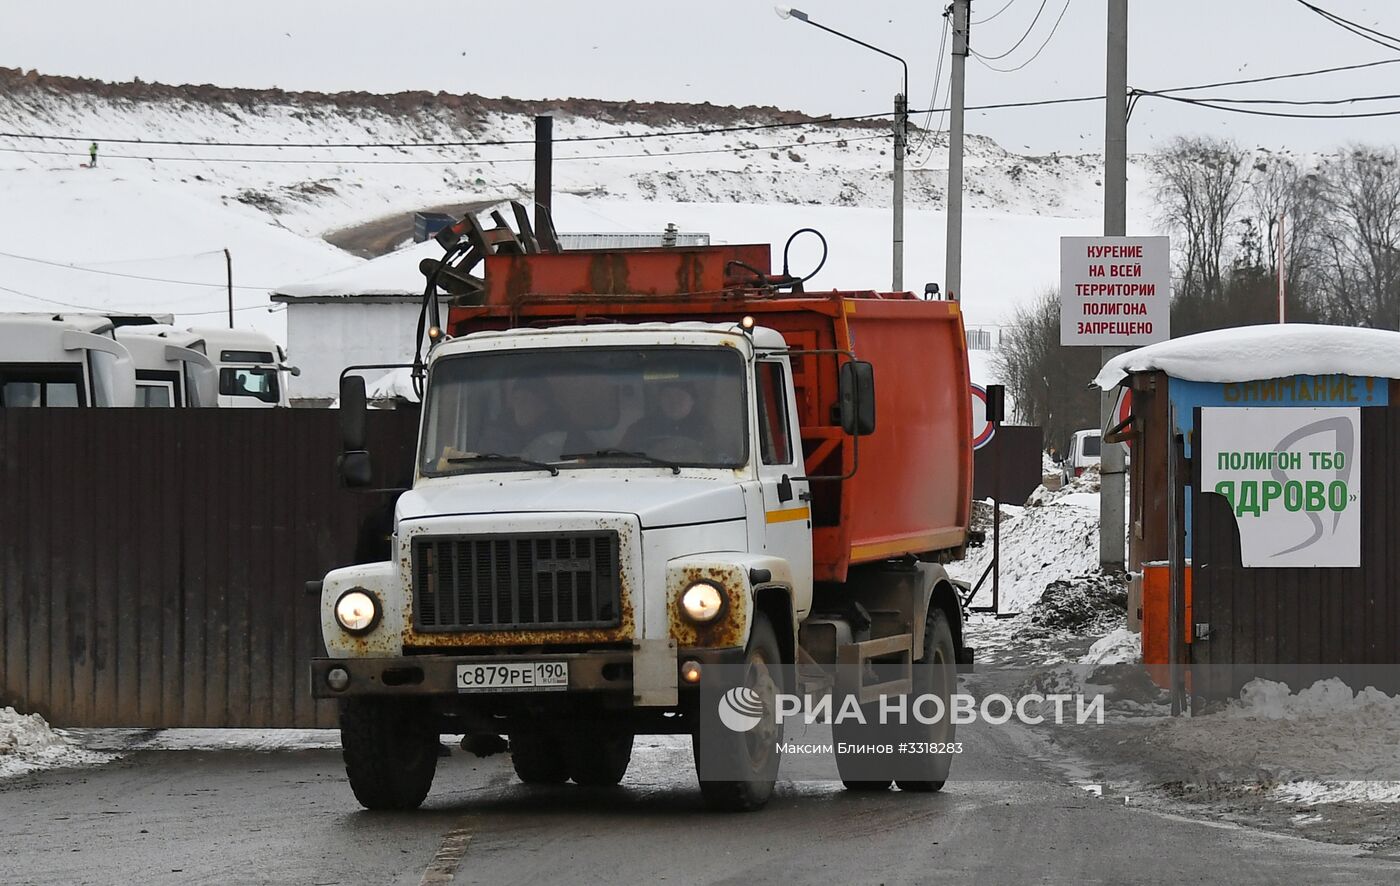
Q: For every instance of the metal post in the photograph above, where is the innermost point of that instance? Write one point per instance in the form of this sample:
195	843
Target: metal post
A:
228	263
1282	303
953	274
1115	224
901	122
1176	561
544	182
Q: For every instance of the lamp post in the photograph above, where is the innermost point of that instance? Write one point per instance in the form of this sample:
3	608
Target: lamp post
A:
901	123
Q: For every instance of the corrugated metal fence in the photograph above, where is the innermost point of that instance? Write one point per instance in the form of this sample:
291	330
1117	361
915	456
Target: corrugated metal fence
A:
153	562
1343	619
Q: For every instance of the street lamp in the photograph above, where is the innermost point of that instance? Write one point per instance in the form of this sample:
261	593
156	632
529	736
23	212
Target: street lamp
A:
901	124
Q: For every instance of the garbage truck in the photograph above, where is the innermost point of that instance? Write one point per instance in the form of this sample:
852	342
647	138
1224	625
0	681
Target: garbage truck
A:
636	468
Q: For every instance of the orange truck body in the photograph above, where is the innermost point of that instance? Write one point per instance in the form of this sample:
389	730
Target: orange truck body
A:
910	493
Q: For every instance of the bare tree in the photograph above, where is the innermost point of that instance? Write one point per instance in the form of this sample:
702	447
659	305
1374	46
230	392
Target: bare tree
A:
1047	381
1200	183
1360	238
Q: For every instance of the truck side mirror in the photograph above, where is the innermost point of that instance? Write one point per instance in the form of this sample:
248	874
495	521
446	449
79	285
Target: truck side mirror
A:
354	465
356	469
996	403
353	408
857	391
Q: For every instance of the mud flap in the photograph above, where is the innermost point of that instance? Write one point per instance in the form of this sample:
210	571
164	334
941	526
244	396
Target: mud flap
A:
654	673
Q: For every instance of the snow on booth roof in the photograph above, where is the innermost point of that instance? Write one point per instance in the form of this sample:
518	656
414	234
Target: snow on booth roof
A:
1249	353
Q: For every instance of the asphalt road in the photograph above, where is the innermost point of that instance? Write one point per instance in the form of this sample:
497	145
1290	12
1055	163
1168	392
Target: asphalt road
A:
225	817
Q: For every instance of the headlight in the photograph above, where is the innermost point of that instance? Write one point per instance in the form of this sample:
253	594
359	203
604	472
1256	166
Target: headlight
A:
702	602
357	611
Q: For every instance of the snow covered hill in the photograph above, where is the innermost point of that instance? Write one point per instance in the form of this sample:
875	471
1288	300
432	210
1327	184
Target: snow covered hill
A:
149	223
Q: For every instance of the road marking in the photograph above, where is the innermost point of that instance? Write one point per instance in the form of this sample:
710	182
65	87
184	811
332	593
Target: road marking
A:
443	868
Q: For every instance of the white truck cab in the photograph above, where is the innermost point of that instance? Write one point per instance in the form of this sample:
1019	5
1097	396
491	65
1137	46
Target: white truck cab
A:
63	360
252	368
172	368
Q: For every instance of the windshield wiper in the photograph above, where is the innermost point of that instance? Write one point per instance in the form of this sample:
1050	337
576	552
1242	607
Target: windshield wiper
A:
623	453
497	457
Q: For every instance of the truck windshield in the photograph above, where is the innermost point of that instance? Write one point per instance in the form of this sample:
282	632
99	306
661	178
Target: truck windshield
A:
586	407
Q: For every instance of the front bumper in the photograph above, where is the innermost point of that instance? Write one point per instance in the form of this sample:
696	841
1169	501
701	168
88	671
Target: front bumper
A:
598	671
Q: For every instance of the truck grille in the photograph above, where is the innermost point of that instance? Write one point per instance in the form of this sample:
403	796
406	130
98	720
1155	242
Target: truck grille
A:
516	582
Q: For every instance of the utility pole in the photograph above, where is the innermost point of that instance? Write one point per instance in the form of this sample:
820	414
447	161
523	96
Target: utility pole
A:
901	132
1115	224
952	276
1282	308
228	264
544	183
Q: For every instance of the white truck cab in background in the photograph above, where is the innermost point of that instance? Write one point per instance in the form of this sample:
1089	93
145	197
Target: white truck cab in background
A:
252	368
63	360
172	367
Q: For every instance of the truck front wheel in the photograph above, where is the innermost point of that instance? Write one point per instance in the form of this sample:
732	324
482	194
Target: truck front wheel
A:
390	749
737	769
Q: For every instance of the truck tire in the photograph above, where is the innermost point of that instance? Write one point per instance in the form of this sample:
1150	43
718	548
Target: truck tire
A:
859	771
598	760
390	749
937	675
537	758
755	752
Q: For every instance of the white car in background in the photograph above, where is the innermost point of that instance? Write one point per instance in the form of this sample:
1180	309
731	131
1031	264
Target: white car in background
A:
1083	451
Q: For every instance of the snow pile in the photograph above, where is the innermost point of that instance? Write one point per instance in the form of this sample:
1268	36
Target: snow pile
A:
1271	700
1119	646
1258	352
28	744
1054	538
1311	792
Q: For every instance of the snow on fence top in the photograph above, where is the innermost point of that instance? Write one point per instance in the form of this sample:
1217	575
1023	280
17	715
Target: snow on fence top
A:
1247	353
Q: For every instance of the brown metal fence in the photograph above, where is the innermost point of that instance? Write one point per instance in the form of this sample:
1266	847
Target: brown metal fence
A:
153	562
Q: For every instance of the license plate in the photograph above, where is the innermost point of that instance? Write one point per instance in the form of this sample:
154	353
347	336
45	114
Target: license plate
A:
513	676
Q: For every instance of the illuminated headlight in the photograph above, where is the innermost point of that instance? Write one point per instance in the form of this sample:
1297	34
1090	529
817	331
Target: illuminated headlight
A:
702	602
357	611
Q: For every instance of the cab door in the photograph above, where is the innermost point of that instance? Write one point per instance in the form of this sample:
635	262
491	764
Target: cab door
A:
786	500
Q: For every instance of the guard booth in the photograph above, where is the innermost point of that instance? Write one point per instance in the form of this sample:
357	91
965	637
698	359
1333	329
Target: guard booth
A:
1284	498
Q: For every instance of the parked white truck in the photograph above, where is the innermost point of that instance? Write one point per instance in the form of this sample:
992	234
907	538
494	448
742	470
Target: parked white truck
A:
172	368
252	368
606	515
63	360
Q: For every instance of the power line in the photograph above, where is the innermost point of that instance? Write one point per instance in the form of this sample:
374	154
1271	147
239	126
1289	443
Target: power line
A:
983	21
937	77
1290	101
1273	77
458	162
484	143
1018	43
100	310
1380	38
1036	54
44	261
1257	112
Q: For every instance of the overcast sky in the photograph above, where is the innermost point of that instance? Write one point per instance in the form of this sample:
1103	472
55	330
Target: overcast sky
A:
738	52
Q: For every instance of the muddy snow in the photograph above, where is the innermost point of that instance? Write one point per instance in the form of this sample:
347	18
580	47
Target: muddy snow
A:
28	743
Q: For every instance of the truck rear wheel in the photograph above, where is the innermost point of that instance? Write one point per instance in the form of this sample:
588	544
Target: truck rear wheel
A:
722	753
936	675
860	770
537	758
598	760
390	749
